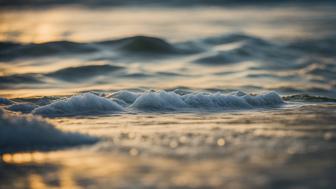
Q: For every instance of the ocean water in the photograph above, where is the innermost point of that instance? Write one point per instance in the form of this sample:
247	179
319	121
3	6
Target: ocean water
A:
180	95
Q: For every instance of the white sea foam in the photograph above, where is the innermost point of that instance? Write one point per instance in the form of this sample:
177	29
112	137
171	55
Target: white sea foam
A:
159	101
22	133
83	104
163	100
126	96
127	101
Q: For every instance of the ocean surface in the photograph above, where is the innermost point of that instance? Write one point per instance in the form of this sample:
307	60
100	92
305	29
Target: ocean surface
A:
167	95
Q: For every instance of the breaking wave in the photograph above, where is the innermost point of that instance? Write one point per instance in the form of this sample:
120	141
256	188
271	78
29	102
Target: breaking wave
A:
84	104
29	133
161	101
126	101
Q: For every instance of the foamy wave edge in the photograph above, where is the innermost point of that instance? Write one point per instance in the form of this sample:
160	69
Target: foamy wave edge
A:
160	101
31	133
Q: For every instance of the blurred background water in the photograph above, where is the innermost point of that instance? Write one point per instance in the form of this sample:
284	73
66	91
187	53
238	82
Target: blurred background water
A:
289	48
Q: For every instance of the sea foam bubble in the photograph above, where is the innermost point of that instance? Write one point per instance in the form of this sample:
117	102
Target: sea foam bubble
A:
163	100
83	104
128	101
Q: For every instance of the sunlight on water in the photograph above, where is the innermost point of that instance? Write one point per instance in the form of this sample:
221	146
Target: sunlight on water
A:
213	150
175	24
168	96
215	48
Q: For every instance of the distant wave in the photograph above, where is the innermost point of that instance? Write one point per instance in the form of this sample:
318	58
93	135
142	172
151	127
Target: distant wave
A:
19	78
308	98
217	59
10	51
135	45
28	133
83	72
138	45
233	38
247	48
309	62
155	45
321	69
78	74
125	101
251	47
67	74
142	44
319	46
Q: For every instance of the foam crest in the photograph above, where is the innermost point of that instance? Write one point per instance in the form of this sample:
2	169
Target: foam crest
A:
157	101
83	104
126	96
163	100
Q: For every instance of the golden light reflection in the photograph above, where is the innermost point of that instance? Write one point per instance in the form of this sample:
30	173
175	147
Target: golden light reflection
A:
36	181
65	177
136	162
221	142
22	158
92	25
67	180
117	161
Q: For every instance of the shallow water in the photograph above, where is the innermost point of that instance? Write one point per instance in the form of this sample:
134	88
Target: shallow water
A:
282	148
168	97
